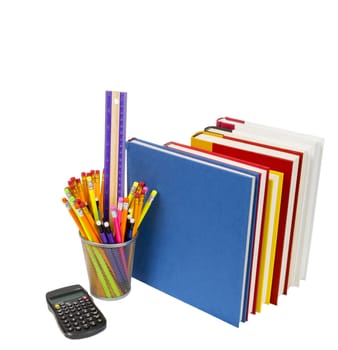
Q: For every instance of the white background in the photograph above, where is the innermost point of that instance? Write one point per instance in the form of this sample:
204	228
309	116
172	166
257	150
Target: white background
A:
183	65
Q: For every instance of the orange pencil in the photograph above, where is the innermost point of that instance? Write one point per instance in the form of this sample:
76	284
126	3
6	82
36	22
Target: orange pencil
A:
143	193
79	187
84	186
96	176
140	187
73	215
136	212
90	223
73	189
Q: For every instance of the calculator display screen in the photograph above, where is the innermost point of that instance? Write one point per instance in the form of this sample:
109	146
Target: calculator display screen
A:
66	297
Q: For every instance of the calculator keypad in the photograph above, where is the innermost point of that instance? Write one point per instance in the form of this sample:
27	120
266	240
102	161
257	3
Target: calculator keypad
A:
79	317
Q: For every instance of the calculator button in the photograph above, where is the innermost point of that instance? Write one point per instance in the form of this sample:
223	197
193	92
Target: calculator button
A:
57	306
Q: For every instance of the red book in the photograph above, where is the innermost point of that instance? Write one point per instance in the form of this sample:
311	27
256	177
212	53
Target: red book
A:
281	160
312	148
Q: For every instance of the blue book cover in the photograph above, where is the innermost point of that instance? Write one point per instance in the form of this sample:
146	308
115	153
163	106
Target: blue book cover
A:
194	243
239	167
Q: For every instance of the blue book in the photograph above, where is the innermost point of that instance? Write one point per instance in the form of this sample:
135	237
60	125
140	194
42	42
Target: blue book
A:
194	242
255	231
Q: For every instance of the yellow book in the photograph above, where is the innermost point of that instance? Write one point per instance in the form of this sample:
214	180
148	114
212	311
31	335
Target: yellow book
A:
269	237
274	236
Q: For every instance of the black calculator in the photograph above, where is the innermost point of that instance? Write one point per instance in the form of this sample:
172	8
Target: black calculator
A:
77	315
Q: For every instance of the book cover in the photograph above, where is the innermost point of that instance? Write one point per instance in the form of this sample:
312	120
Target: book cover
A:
194	243
263	182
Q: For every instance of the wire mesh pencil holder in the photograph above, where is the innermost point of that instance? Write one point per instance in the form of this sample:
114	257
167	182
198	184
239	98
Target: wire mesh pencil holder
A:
109	268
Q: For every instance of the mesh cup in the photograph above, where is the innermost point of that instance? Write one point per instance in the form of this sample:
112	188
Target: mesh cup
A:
109	268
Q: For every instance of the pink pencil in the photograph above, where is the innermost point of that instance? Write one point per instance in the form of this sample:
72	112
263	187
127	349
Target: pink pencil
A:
116	224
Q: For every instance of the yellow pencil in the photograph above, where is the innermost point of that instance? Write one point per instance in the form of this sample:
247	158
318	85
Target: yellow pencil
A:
92	199
80	214
146	207
90	223
132	192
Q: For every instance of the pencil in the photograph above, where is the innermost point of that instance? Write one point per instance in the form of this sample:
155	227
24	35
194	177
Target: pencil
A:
146	207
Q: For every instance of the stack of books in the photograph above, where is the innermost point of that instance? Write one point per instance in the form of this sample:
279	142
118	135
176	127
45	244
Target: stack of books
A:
232	226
